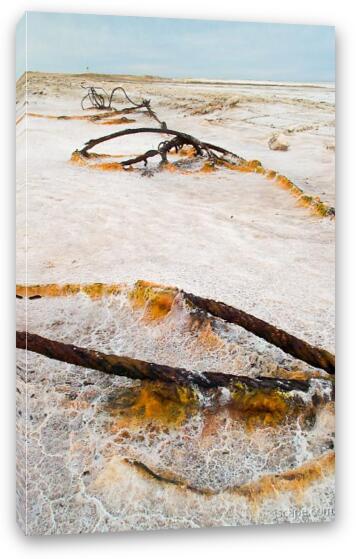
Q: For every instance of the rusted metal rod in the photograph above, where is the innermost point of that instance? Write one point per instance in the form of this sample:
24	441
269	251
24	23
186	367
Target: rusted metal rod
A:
300	349
142	370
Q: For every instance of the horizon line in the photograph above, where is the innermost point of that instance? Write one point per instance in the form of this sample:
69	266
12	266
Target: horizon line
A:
180	79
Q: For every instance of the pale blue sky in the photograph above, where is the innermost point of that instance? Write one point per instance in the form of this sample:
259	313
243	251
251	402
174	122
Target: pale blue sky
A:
176	47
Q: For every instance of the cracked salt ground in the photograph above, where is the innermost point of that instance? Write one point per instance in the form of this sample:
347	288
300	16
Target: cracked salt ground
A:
89	431
183	339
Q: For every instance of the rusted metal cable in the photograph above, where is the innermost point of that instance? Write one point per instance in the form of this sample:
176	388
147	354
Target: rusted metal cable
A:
142	370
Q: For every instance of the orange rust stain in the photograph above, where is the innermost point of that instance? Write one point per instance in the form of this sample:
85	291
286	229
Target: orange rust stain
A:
235	167
207	338
78	159
187	151
293	375
253	166
93	290
48	290
284	182
294	481
169	167
96	290
258	407
92	118
260	170
152	402
207	168
37	115
156	300
63	117
300	374
84	161
318	208
314	203
112	166
114	121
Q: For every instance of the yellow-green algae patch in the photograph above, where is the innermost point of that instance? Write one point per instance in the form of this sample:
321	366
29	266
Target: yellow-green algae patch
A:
173	405
165	404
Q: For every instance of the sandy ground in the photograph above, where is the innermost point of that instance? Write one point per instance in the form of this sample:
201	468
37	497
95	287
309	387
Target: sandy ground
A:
235	237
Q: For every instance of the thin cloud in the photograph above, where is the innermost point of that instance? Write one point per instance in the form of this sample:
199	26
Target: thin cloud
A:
179	48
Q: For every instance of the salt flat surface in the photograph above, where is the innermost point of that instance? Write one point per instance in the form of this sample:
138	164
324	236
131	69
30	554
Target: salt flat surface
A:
232	236
235	237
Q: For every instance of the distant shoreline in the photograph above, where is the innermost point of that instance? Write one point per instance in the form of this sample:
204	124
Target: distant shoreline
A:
196	81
